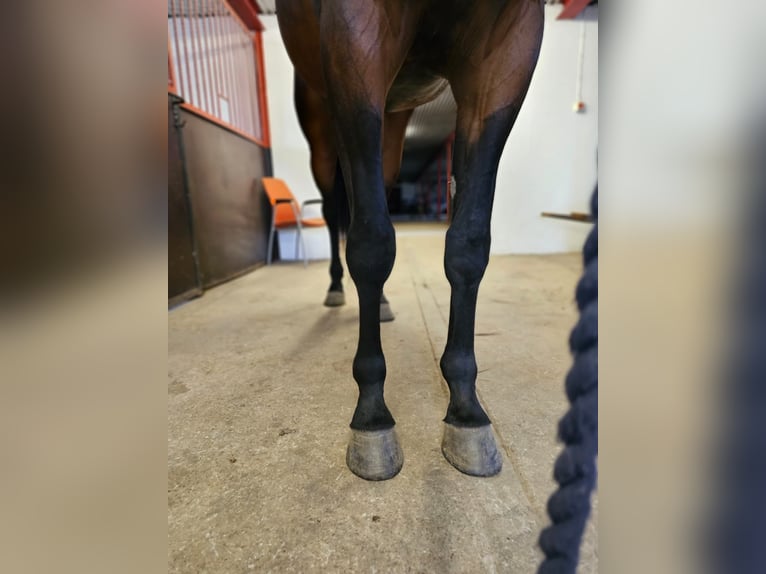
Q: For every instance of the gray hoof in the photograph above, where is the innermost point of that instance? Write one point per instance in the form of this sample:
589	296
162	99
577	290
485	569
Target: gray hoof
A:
472	450
374	455
335	299
386	314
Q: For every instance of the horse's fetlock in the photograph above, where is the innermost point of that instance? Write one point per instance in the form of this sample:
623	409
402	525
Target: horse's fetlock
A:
369	369
458	366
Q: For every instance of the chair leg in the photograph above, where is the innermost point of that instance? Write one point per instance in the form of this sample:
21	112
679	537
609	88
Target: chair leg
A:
303	245
271	238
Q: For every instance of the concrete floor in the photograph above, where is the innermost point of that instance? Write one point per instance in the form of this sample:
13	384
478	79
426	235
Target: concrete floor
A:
261	394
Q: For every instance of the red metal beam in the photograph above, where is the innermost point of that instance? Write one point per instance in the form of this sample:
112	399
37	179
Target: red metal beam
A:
171	73
212	119
438	186
572	8
450	142
248	13
262	98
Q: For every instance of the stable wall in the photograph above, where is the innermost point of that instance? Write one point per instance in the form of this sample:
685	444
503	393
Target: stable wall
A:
549	161
230	213
218	215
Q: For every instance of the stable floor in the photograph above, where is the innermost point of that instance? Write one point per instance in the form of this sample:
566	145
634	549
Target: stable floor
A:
261	394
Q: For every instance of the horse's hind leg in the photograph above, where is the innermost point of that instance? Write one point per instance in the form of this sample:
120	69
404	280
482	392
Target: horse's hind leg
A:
485	117
394	127
468	442
314	118
331	211
356	77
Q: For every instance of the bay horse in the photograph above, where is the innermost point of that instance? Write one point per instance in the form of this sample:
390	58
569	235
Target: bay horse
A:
316	123
361	67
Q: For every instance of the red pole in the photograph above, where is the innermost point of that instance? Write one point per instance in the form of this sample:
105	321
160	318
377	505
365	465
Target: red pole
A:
209	51
262	99
223	60
199	65
185	93
215	36
230	27
171	72
450	139
428	192
438	186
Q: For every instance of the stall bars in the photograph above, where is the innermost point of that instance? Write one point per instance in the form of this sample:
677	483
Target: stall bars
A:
215	63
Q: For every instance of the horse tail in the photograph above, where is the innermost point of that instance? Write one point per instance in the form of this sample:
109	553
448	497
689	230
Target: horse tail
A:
575	468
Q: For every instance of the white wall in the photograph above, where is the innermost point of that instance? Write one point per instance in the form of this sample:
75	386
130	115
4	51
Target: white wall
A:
289	149
549	162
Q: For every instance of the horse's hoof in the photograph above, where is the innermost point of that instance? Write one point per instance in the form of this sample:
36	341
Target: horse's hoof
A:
472	450
374	455
335	299
386	314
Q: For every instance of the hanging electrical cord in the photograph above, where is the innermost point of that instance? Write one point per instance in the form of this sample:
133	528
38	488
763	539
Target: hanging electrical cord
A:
579	104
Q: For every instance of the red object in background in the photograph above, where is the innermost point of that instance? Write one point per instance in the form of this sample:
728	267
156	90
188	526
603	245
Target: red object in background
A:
572	8
215	63
450	141
439	186
247	10
171	72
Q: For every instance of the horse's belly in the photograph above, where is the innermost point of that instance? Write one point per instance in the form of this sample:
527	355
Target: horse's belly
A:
413	86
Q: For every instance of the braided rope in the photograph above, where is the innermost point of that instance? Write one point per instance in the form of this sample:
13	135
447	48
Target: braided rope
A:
736	524
575	468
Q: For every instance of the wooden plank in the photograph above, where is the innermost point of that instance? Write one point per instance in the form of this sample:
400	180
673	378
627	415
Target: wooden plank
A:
573	216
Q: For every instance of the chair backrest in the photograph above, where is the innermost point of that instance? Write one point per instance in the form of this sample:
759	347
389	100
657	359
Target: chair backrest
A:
277	189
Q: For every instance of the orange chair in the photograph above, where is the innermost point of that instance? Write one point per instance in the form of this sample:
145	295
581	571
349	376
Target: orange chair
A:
286	214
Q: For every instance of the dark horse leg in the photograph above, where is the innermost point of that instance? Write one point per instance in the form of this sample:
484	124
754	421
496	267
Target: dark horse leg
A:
315	121
334	214
488	98
394	127
357	77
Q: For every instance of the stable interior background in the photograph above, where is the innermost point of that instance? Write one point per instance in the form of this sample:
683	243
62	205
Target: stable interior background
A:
260	390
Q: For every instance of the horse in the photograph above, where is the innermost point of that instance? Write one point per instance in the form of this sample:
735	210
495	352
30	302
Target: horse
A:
361	67
316	124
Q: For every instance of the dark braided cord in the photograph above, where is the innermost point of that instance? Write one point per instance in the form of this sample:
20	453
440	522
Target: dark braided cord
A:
575	468
736	521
